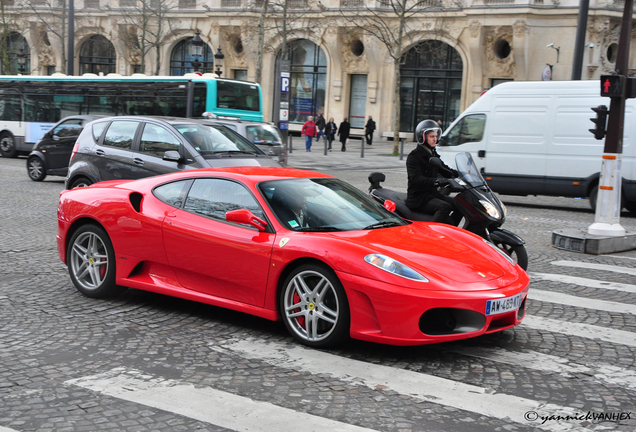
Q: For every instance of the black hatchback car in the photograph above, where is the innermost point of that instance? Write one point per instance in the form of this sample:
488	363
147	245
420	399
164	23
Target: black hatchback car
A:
51	154
133	147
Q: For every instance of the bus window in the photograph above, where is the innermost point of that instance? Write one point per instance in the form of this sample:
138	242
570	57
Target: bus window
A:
102	101
10	105
239	96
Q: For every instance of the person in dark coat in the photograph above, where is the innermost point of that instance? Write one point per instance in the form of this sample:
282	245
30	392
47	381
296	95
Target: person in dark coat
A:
424	178
368	130
320	124
343	132
330	131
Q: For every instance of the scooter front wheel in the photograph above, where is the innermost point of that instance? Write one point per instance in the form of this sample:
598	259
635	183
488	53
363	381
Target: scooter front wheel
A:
516	252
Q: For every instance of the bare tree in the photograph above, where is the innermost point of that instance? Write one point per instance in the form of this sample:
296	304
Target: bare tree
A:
149	28
392	25
54	19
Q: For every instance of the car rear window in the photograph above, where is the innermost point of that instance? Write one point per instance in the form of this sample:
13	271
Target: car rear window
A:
208	140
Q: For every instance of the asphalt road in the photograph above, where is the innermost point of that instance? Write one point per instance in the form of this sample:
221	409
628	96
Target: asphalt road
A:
145	362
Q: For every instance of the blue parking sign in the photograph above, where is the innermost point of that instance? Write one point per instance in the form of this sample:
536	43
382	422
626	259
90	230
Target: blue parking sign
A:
284	84
282	125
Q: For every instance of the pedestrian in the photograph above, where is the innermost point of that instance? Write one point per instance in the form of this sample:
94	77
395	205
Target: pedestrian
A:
309	130
343	133
320	124
368	130
330	131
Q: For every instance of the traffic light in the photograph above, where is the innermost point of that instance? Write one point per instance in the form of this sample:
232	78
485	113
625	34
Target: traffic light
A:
612	85
600	121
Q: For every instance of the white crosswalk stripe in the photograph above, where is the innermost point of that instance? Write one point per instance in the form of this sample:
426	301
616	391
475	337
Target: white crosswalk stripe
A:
206	404
594	266
590	283
582	302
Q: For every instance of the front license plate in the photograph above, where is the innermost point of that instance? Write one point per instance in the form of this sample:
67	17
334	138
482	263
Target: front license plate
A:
494	307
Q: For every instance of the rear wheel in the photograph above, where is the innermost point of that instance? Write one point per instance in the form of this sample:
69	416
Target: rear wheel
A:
91	262
593	196
7	145
35	168
314	306
517	252
630	206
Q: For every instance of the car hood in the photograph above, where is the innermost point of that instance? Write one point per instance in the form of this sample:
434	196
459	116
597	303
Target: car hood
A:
239	160
448	255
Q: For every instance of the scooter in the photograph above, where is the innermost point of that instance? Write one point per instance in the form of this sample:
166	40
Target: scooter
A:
483	212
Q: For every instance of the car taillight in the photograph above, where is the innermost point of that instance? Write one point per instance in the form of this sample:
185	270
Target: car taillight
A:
75	148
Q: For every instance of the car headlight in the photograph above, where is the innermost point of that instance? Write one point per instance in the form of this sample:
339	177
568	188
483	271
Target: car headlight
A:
392	266
502	253
490	209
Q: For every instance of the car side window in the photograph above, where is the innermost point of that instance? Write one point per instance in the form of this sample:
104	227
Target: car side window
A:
172	193
69	128
121	133
469	129
98	130
215	197
156	140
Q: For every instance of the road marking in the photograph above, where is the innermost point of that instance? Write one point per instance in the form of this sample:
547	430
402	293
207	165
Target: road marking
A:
588	331
425	387
6	429
552	364
583	302
593	266
590	283
206	404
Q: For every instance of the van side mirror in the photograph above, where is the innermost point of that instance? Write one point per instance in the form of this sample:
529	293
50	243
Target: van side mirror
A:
246	217
443	140
172	155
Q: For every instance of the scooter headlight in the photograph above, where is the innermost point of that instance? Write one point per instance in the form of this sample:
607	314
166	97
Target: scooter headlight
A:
392	266
505	209
490	209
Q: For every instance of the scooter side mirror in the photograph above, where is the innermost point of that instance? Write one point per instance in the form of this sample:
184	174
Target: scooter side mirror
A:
389	205
436	162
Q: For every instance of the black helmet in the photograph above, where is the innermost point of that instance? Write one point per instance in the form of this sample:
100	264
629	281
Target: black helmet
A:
423	128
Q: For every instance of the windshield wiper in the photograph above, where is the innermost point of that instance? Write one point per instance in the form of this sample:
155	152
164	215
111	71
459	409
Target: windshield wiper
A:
236	151
384	224
320	228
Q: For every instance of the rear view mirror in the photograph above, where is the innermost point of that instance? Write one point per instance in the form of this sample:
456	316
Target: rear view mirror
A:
172	155
244	216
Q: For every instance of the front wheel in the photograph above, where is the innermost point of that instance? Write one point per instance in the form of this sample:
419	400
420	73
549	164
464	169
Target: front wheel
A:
517	252
91	262
7	145
314	306
80	182
35	169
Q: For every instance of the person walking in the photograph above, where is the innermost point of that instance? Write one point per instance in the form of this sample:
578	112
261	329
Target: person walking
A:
309	130
368	130
330	131
320	124
343	132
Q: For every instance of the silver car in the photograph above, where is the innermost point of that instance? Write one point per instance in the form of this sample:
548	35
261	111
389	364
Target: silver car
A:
265	136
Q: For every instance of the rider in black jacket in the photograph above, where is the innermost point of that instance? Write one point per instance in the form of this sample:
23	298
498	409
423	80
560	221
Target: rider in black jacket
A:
424	178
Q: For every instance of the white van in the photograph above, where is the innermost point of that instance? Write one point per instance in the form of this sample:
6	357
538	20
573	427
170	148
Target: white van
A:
533	138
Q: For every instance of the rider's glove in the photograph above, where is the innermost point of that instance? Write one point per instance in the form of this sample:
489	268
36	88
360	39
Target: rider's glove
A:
455	173
441	182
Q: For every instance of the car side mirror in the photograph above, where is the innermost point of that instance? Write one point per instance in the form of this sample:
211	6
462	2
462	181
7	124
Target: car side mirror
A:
172	155
390	205
55	138
246	217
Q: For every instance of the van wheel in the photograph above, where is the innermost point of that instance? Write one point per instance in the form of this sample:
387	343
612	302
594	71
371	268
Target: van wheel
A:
7	145
630	206
593	196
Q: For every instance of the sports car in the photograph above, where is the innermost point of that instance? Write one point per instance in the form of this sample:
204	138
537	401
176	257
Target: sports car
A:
291	245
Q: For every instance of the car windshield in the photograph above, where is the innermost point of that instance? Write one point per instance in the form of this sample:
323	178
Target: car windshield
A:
208	140
325	204
263	134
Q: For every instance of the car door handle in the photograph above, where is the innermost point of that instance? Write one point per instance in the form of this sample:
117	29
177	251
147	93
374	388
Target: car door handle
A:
138	161
100	152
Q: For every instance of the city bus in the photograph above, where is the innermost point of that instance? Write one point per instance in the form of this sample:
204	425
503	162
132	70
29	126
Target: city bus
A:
30	105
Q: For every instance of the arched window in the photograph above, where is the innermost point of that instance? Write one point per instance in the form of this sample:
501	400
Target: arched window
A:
430	84
17	50
308	80
97	55
182	60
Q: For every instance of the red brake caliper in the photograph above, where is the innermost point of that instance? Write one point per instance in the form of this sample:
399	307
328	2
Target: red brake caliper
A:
301	319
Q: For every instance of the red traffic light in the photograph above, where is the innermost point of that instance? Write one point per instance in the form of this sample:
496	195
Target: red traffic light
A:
612	85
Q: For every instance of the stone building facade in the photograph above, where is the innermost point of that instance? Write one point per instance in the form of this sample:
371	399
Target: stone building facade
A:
452	49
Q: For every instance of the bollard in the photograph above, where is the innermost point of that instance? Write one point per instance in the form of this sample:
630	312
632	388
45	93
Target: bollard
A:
290	143
402	148
362	147
325	140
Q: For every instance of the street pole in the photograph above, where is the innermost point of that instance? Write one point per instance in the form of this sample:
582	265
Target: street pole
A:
71	39
579	44
608	204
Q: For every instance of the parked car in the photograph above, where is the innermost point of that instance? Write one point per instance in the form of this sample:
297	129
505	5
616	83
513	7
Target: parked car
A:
133	147
291	245
265	136
51	154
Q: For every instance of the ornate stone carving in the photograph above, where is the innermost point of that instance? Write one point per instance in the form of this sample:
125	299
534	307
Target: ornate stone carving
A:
352	63
590	71
42	44
520	29
495	66
128	34
232	45
475	29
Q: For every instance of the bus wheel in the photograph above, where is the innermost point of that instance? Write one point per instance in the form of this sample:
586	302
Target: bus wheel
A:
7	145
